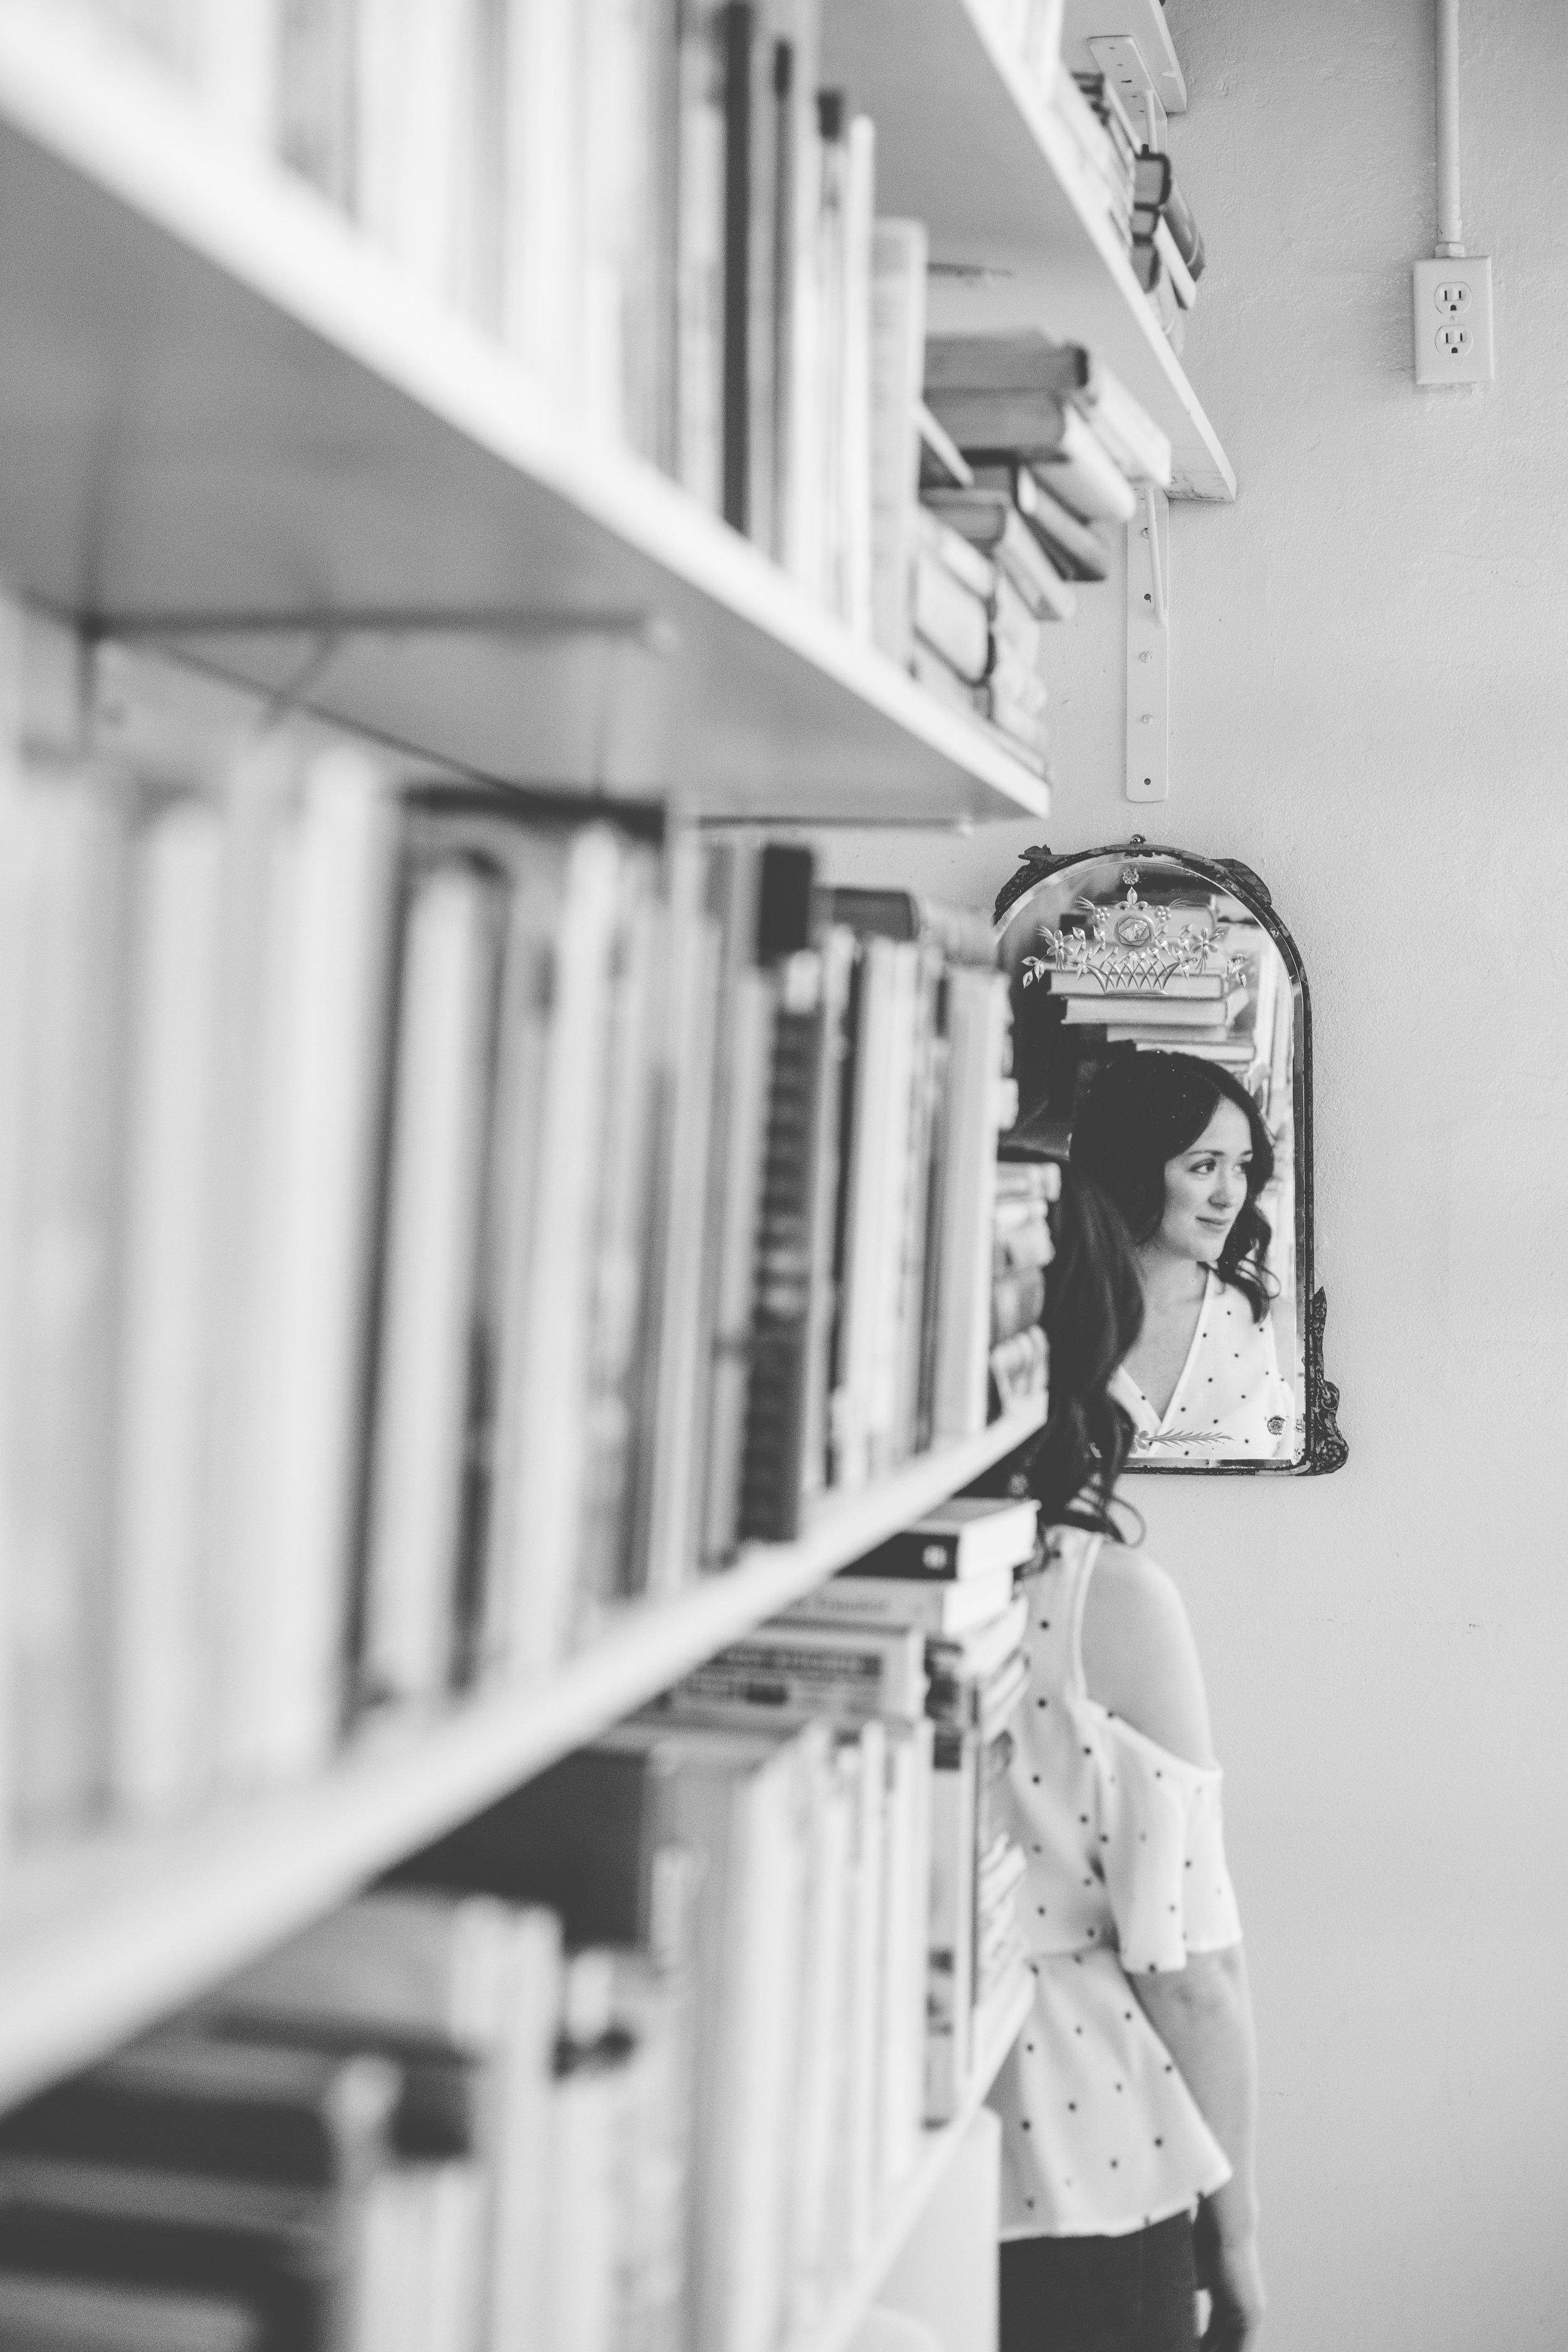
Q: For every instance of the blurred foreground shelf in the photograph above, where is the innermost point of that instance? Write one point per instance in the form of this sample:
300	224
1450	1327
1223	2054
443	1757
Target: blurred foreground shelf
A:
232	428
102	1935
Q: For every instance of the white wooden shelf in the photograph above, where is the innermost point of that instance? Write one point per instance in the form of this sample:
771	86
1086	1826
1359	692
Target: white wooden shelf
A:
221	407
915	2195
965	143
103	1934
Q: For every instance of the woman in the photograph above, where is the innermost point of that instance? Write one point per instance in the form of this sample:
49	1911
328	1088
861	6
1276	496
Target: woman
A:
1179	1145
1127	2102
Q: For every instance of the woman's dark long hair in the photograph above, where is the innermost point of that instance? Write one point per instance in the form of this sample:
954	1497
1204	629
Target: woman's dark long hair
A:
1094	1312
1141	1110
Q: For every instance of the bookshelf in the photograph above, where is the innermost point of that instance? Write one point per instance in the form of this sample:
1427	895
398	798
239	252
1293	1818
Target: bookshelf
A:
943	90
238	435
99	1937
280	461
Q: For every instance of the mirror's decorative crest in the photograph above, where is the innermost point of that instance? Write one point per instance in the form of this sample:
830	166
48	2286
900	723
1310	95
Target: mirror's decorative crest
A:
1128	949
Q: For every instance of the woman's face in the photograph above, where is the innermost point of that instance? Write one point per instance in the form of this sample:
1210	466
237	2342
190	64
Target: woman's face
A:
1205	1187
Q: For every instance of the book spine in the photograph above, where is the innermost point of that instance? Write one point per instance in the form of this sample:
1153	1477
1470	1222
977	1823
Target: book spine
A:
737	34
774	1464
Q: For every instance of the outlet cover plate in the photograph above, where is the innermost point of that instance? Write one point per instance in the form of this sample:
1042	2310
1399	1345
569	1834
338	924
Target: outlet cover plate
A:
1452	312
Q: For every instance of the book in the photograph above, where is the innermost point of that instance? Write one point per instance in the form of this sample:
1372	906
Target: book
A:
437	1149
1178	276
1177	1014
773	1469
68	860
960	934
1025	360
978	1024
943	466
793	1674
969	1536
45	2312
949	2048
1072	547
160	1725
187	2161
898	347
946	1607
989	520
980	1652
949	616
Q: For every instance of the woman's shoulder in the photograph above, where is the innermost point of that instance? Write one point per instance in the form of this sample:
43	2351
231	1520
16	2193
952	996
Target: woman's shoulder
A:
1140	1659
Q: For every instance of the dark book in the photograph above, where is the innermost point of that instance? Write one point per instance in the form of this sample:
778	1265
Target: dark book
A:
1073	547
211	2166
737	30
43	2312
963	1539
772	1464
963	934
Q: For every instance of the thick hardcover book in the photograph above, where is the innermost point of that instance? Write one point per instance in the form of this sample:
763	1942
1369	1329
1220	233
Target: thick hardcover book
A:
951	617
788	1673
980	1655
772	1460
968	1536
1073	547
188	2163
989	518
938	1606
1201	1014
40	2313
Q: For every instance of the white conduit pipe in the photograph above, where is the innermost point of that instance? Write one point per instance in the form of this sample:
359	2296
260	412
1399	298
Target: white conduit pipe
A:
1450	232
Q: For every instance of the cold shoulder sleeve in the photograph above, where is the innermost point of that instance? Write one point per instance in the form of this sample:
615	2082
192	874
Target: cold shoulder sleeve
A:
1162	1853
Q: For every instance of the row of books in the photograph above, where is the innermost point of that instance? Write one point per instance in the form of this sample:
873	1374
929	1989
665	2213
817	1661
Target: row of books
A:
438	1214
634	2058
1030	449
1125	165
659	208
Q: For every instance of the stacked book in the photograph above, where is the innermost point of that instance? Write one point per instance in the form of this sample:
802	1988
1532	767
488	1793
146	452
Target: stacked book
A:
1212	1014
1133	182
1054	412
632	2058
1167	242
439	1214
983	591
1024	1248
659	209
1090	110
946	1588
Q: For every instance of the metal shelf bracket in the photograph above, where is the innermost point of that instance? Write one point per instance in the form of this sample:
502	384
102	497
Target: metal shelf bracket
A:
1149	649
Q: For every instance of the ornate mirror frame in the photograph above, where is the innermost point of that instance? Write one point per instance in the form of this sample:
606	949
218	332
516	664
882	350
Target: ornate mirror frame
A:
1326	1449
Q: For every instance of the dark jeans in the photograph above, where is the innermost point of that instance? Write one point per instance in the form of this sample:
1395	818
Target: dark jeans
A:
1136	2294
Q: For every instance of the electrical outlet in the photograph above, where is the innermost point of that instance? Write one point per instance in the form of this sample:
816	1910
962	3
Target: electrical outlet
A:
1452	313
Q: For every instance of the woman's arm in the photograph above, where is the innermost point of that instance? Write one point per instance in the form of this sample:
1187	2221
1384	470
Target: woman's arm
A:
1203	2015
1141	1662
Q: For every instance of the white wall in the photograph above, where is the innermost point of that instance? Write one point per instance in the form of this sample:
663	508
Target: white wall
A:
1370	705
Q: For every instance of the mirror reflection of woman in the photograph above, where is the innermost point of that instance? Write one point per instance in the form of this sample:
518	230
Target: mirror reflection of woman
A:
1182	1150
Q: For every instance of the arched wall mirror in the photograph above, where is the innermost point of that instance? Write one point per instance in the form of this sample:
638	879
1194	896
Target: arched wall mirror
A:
1162	1040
